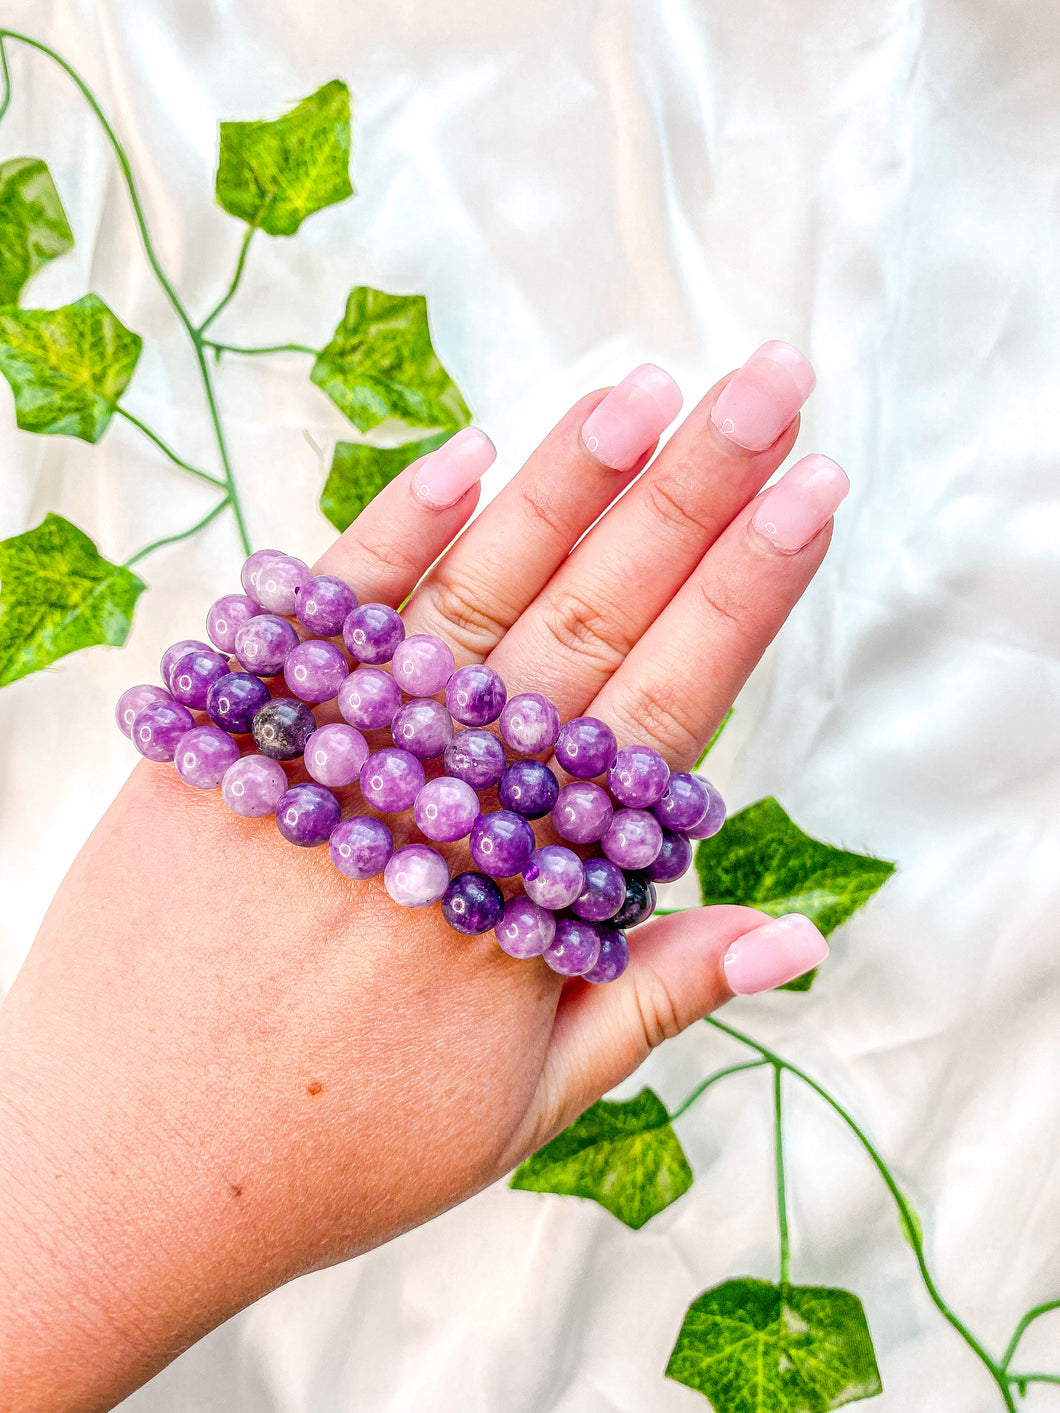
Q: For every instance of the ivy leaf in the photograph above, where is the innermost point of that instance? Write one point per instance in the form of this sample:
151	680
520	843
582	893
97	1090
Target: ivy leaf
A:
67	367
624	1156
33	224
57	595
359	472
275	174
380	363
752	1347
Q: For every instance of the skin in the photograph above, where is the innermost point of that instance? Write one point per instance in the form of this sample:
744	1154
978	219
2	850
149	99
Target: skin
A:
224	1065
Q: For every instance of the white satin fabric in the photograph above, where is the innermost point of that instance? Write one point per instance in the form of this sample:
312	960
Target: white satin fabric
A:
579	187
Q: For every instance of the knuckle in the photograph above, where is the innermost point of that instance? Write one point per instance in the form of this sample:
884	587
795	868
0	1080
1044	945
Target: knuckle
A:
657	1011
658	713
735	613
388	564
541	507
586	629
667	502
462	612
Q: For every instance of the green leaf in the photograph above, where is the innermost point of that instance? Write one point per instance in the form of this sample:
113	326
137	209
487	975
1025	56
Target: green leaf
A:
67	367
275	174
624	1156
359	472
57	595
380	363
33	224
752	1347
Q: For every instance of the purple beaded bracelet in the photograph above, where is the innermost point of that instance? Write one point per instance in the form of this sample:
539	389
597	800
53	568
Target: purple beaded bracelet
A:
578	899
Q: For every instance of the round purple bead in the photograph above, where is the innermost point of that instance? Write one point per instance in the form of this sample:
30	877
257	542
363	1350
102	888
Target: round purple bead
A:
248	575
262	644
633	839
639	904
360	847
684	804
158	727
714	817
372	632
315	670
638	777
226	617
530	723
391	779
334	755
282	727
203	755
586	747
416	876
306	815
673	860
324	604
472	903
446	809
235	699
252	786
279	580
369	698
475	695
603	892
574	949
173	655
613	958
582	812
422	664
526	928
501	843
193	676
553	877
133	700
529	788
475	756
423	727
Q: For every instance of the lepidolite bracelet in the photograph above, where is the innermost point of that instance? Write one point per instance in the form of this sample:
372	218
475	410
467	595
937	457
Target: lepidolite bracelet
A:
578	898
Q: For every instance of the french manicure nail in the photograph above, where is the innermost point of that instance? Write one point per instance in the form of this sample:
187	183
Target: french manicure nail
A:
761	399
777	952
442	477
801	503
631	417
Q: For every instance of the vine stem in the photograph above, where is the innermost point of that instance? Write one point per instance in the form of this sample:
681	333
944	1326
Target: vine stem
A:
153	436
782	1198
233	286
713	1079
5	74
1021	1329
181	535
152	259
271	348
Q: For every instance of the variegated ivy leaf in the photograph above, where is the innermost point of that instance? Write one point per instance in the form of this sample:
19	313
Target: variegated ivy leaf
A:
359	472
33	224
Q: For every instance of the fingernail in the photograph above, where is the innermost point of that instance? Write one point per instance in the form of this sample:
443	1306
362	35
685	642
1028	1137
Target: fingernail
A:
631	417
761	399
772	954
442	477
801	503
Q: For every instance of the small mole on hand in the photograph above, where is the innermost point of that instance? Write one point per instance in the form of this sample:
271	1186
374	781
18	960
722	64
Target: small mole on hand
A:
235	1189
314	1087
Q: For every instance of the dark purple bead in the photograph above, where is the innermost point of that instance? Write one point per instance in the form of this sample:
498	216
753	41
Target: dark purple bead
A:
530	723
262	644
282	727
194	675
639	903
684	803
529	788
226	617
307	814
372	632
324	604
586	747
369	698
475	695
391	780
173	655
477	757
422	727
501	843
315	670
235	699
361	847
613	958
203	755
158	727
714	817
638	777
472	903
582	812
674	858
603	893
574	949
633	839
132	702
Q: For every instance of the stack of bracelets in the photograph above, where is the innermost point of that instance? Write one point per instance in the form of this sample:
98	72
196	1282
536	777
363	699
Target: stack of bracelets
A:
575	903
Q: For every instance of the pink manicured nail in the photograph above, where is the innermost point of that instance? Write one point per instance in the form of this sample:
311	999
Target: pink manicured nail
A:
761	399
633	415
801	503
442	477
772	954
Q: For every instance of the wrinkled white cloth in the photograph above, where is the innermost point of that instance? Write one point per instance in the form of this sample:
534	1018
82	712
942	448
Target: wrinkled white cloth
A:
579	188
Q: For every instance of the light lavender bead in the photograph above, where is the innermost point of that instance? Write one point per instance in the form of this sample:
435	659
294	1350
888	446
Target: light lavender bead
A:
714	818
133	700
334	755
633	839
586	747
360	847
526	928
553	877
226	617
613	958
582	812
369	698
530	723
422	727
422	665
253	785
158	727
262	644
173	655
416	876
324	604
279	580
203	755
475	756
475	695
391	780
446	809
314	670
248	575
638	777
574	949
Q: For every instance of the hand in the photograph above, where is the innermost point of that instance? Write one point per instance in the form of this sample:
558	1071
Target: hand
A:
223	1064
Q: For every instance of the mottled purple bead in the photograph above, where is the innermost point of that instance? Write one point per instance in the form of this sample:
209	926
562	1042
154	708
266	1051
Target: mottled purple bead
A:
193	676
372	632
638	777
530	723
324	604
416	876
501	843
282	727
472	903
446	809
714	817
475	756
133	700
315	670
173	655
278	581
369	698
234	700
334	755
633	839
639	902
684	804
253	785
574	949
529	788
263	643
203	755
422	664
673	860
603	892
158	727
613	958
423	727
360	847
582	812
526	928
475	695
391	779
252	567
306	815
586	747
553	877
226	617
